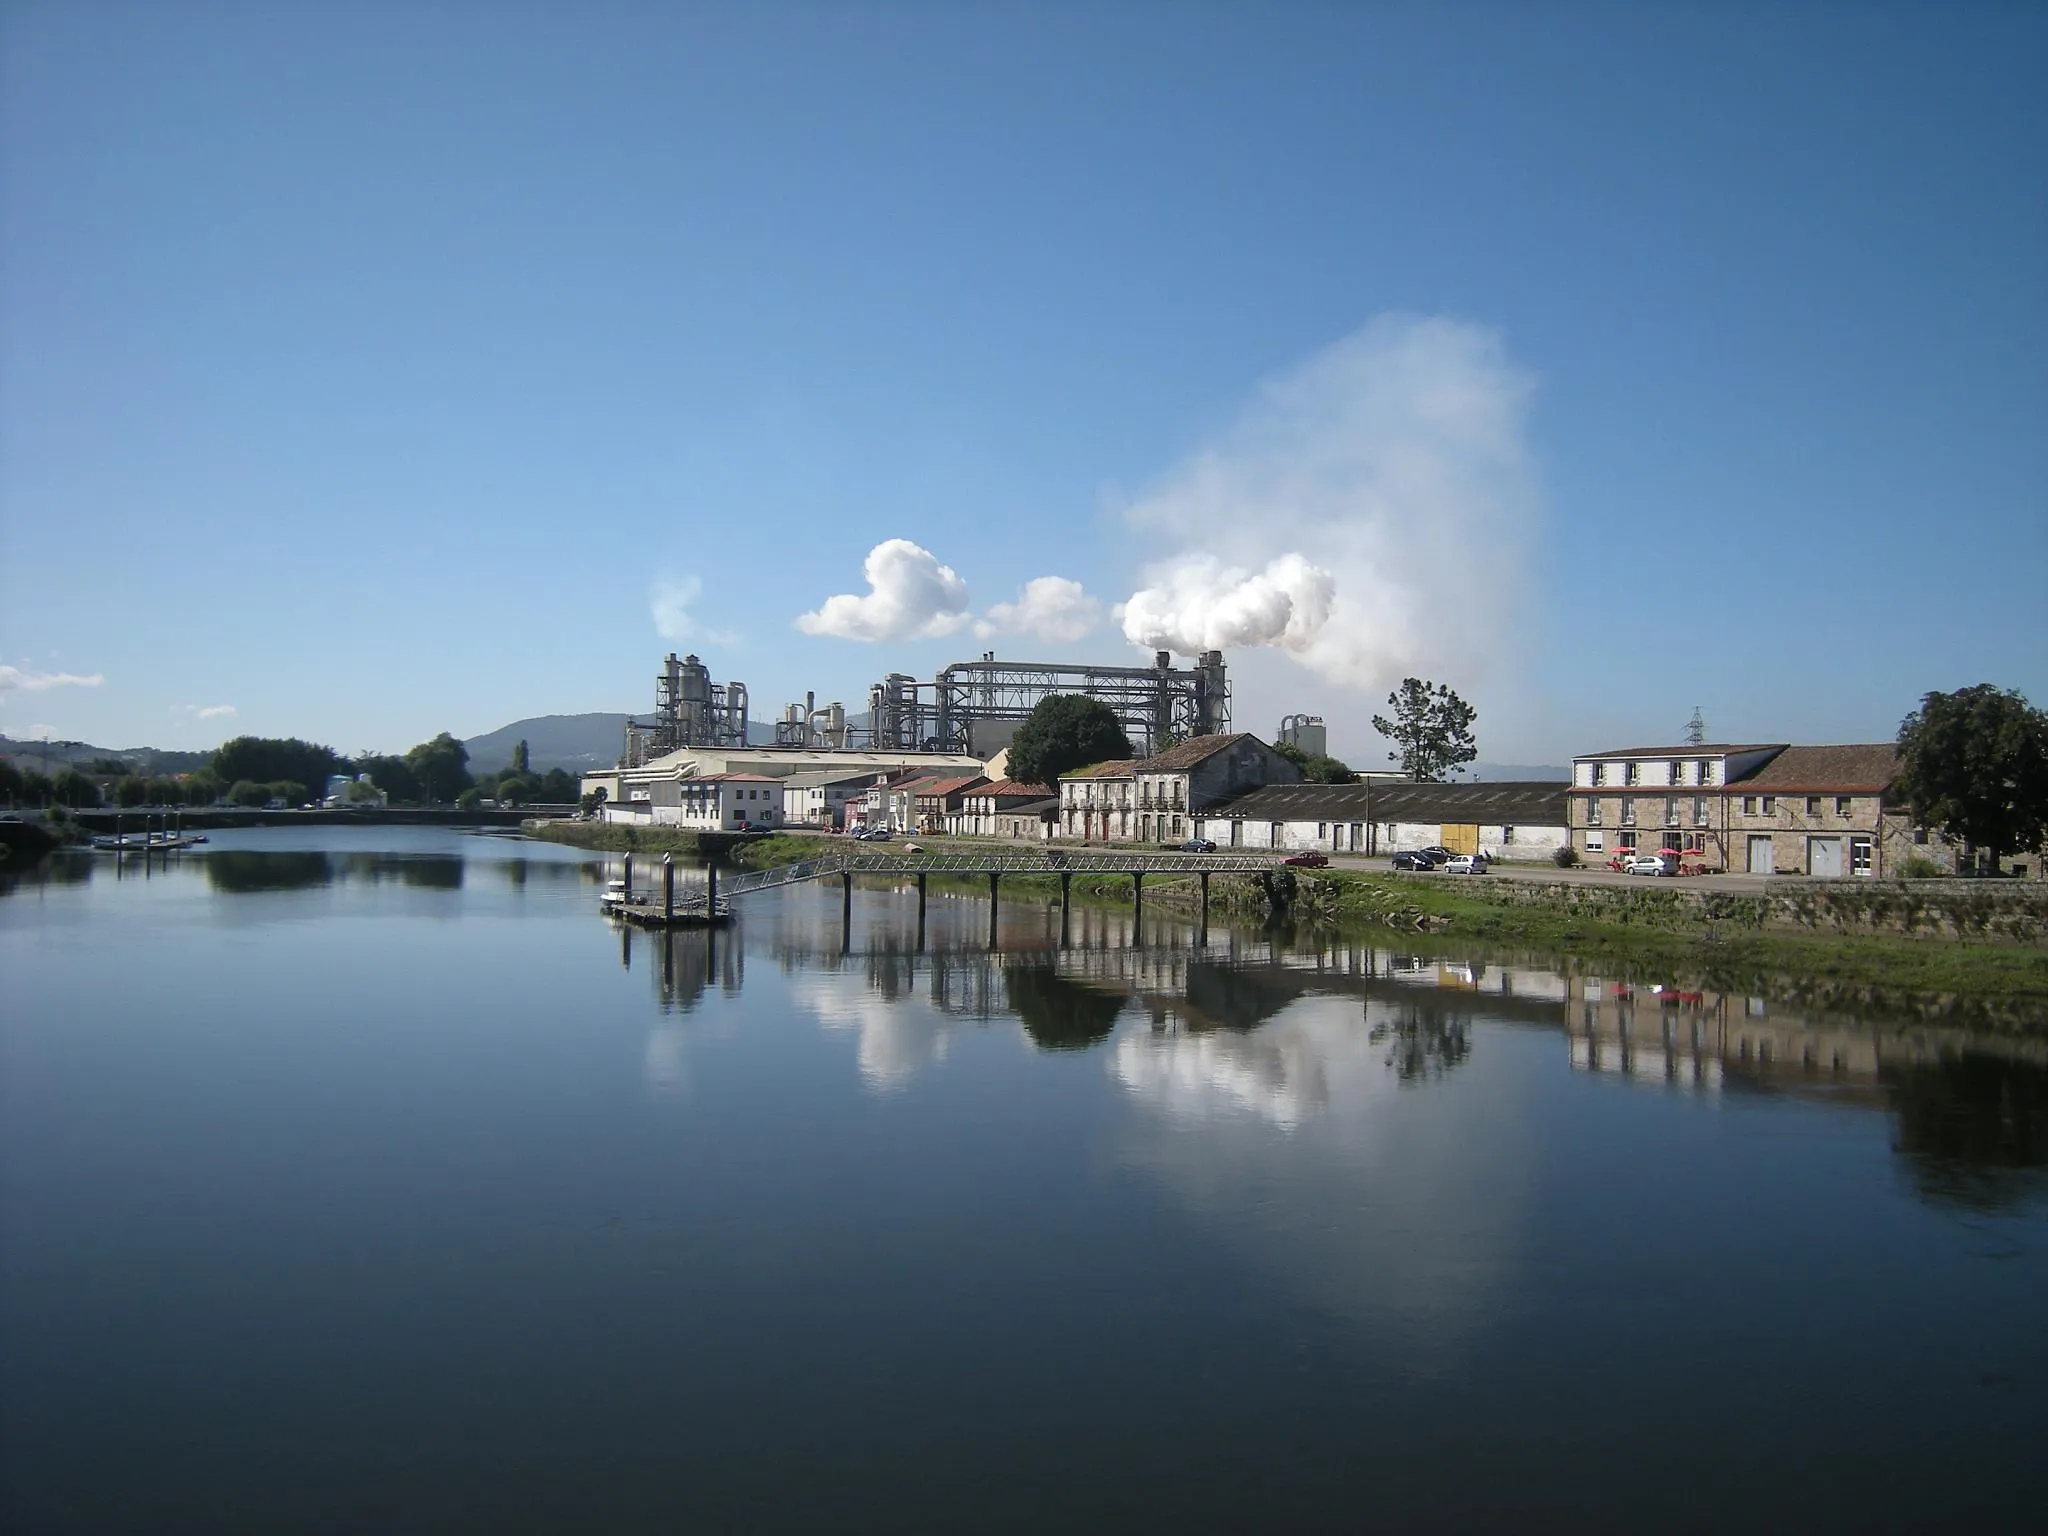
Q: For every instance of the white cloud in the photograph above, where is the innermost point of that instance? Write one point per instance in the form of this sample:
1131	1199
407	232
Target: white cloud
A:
215	711
1351	499
910	596
1050	608
1200	604
670	604
30	681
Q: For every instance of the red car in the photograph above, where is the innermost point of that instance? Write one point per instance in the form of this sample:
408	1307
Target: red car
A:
1309	860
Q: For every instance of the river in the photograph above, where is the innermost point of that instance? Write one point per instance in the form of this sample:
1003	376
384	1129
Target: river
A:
368	1179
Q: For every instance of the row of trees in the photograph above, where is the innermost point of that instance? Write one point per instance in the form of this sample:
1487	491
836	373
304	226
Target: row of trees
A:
254	770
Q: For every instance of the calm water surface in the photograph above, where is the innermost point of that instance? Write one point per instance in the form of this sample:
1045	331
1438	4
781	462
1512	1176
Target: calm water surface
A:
371	1181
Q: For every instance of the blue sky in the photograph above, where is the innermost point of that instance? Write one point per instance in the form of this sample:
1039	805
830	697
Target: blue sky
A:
370	371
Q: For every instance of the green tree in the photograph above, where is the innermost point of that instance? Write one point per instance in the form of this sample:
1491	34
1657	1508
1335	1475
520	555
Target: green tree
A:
359	793
469	799
1431	730
1975	764
201	788
132	790
393	775
290	791
73	788
514	790
1064	732
12	783
1317	768
36	788
267	759
247	792
558	786
164	791
519	758
441	768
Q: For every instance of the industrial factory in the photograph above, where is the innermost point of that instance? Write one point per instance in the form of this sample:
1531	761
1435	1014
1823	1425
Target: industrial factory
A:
961	718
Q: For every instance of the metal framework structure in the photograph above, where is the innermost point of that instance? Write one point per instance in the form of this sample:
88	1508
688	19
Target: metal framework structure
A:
689	711
1154	704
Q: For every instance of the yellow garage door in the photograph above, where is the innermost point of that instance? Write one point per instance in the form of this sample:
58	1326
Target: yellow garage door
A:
1461	839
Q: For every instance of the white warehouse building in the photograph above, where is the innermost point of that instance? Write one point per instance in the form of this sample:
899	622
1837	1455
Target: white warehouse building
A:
1509	820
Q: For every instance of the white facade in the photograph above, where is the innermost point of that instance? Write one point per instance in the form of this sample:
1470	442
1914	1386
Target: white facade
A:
1669	767
1500	840
727	802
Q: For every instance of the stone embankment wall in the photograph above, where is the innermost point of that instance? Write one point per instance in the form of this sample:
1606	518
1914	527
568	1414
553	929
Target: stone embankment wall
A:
2015	911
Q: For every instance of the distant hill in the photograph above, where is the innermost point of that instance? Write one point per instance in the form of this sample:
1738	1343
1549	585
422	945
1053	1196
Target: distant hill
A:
75	754
576	743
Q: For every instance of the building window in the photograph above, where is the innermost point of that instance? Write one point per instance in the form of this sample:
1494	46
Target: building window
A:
1699	772
1670	811
1672	773
1813	805
1628	810
1749	805
1920	837
1770	805
1593	812
1595	841
1699	810
1625	842
1599	774
1859	855
1507	836
1631	773
1845	805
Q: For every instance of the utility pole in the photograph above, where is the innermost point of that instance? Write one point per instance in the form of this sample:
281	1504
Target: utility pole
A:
1696	729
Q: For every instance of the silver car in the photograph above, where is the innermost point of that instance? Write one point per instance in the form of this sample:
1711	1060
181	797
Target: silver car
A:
1653	864
1467	864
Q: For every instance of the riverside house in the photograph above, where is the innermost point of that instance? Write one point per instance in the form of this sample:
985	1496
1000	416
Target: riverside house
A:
1828	812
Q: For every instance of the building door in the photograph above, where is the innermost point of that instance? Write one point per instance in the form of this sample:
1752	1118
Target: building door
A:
1824	857
1461	837
1759	855
1358	837
1237	834
1862	856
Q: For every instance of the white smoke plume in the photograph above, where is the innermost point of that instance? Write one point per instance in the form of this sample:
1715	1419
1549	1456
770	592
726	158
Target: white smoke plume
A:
1049	608
910	596
1200	604
1366	514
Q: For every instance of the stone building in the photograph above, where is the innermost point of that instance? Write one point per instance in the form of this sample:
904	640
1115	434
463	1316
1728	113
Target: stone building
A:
1006	809
1828	812
1156	799
1099	803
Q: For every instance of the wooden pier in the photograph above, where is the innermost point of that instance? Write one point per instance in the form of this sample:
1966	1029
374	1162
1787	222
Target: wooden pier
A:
705	909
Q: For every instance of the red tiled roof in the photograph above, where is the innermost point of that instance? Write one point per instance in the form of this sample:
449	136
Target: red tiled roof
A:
949	786
1010	788
1869	767
1185	754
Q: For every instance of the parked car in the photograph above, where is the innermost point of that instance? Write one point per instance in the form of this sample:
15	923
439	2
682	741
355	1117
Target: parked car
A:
1308	860
1467	864
1652	864
1198	845
1414	859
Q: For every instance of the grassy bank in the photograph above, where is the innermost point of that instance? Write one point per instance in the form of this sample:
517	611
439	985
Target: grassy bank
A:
1647	936
1729	948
